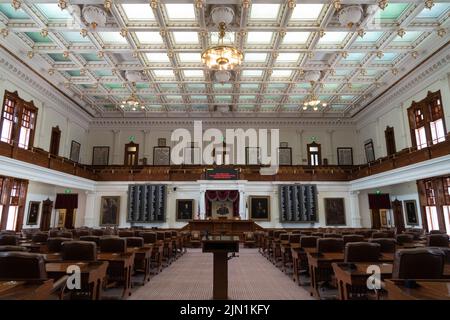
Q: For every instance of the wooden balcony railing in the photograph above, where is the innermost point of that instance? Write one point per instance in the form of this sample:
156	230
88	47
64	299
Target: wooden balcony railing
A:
403	158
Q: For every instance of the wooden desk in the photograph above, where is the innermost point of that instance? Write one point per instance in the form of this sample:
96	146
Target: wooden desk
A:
92	274
427	290
320	267
353	281
220	246
229	227
143	256
26	290
119	268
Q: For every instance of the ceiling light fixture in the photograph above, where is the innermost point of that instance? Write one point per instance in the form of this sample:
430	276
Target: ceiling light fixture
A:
66	54
312	101
312	76
414	54
383	4
380	54
222	57
94	16
132	101
350	15
222	76
62	4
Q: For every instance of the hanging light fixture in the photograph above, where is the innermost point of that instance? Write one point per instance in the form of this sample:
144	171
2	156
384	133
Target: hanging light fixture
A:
221	56
132	101
313	101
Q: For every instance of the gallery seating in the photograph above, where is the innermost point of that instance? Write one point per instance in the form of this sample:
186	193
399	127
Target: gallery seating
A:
376	235
126	233
135	242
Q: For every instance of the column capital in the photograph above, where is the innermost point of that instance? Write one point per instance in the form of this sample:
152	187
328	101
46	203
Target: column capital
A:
146	131
115	131
330	131
299	131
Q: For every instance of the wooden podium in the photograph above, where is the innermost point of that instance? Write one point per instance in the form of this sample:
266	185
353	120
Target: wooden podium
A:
220	246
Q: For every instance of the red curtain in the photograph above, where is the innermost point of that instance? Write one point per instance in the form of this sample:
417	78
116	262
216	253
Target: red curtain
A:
66	201
222	195
379	201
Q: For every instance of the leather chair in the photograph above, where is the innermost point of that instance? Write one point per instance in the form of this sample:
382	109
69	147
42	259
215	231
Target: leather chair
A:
126	233
404	238
437	240
330	245
387	245
22	266
98	232
113	244
353	238
9	240
378	235
149	237
294	238
160	235
135	242
66	234
95	239
53	233
436	232
40	237
317	234
418	263
54	244
12	248
308	241
83	232
79	250
332	235
361	252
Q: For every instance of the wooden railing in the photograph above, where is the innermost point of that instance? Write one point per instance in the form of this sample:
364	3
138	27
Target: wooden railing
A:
403	158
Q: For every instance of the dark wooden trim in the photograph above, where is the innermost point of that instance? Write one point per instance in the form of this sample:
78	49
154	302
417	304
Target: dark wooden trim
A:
319	147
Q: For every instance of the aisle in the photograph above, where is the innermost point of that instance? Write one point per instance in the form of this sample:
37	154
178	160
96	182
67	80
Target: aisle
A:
251	276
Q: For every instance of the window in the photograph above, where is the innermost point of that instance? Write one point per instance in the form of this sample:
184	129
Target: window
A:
17	121
314	158
12	203
432	218
447	218
426	121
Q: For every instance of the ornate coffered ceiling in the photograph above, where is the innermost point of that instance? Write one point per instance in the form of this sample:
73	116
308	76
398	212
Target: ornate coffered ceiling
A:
158	45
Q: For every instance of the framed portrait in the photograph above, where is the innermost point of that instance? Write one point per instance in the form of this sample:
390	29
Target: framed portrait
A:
285	156
185	209
100	156
259	208
161	156
61	218
252	155
222	209
370	152
161	142
411	212
334	211
345	156
109	211
75	151
33	212
384	218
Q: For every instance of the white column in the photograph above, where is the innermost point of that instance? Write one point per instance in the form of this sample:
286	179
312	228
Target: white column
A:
116	147
67	142
404	127
299	153
378	146
330	155
147	147
89	216
202	203
354	209
41	120
242	211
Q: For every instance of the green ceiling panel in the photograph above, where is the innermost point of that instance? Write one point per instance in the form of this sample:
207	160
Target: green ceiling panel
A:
11	13
436	11
393	11
74	37
58	57
74	73
53	12
37	38
91	57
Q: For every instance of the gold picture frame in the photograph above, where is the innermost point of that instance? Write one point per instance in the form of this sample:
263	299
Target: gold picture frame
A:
259	208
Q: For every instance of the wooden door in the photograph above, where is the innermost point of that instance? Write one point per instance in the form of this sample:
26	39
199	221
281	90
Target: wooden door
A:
376	222
399	221
54	141
47	207
68	221
390	140
131	154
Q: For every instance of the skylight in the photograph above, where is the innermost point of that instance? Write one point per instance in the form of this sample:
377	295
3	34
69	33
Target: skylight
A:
112	37
255	57
185	37
296	37
163	73
74	37
333	37
287	57
180	11
189	56
193	73
252	73
138	11
306	11
157	57
259	37
264	11
149	37
281	73
53	12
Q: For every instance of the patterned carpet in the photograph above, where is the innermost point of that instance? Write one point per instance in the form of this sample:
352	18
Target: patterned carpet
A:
251	276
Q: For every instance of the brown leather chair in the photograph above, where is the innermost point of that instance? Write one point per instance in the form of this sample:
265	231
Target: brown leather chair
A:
436	232
317	234
54	244
330	245
53	233
378	235
418	263
79	250
160	235
9	240
66	234
404	238
135	242
361	252
353	238
284	237
332	235
308	241
387	245
149	237
83	232
113	244
437	240
13	248
95	239
126	233
98	232
22	266
40	237
294	238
